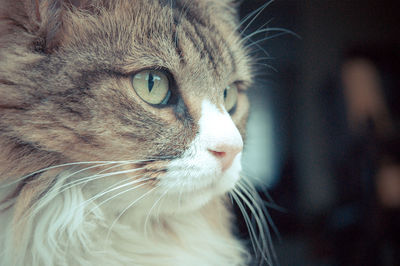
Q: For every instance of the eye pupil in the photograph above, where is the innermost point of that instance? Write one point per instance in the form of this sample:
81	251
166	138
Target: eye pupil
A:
152	86
150	82
230	97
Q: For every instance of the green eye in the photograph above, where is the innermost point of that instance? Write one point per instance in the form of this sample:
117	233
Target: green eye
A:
152	86
230	97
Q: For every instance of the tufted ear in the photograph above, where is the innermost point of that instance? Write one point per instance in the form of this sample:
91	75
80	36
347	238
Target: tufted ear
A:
50	16
43	19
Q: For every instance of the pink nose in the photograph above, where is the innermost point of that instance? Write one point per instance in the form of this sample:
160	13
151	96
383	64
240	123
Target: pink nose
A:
226	154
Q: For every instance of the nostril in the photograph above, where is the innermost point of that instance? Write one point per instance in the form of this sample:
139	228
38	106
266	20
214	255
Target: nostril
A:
218	153
225	155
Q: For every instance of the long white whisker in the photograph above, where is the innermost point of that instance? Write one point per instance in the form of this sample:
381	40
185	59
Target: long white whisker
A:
250	185
148	215
116	195
256	16
261	246
38	205
258	213
283	32
180	195
251	193
267	66
270	204
252	234
53	167
158	211
79	163
249	16
82	170
110	189
129	206
263	212
257	32
97	176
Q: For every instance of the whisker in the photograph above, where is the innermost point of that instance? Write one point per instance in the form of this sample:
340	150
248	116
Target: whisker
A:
148	215
253	195
108	190
158	211
58	190
246	219
282	32
261	224
270	29
116	195
82	170
113	188
180	194
267	66
37	206
98	176
50	168
250	229
255	13
81	163
129	206
271	202
257	32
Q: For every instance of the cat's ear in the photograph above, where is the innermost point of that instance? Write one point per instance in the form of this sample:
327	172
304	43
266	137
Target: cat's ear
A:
44	20
50	18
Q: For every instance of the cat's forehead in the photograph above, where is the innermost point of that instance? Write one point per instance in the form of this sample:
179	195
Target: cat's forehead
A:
197	41
201	49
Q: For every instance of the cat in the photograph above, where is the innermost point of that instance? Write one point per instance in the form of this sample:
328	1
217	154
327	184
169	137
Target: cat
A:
121	133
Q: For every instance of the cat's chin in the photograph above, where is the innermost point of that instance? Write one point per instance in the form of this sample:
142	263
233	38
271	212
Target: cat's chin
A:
183	200
203	187
194	200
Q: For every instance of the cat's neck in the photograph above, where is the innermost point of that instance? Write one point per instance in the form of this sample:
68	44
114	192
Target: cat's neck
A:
199	237
74	237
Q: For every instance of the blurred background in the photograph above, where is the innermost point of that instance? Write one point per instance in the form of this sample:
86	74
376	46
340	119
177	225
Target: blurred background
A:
324	136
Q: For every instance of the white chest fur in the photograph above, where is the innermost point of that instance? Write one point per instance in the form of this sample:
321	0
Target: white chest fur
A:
180	240
60	236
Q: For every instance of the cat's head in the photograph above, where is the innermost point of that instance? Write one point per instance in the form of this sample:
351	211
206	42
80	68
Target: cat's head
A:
158	86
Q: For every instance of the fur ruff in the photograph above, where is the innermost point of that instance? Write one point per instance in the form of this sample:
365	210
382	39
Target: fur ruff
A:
60	232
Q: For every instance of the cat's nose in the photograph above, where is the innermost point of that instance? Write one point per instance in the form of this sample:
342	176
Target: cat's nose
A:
226	153
219	135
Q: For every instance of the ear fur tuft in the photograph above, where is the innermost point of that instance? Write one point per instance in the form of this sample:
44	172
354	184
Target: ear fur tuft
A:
42	19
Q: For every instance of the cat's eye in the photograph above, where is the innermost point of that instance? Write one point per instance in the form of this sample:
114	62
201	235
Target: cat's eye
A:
230	97
152	86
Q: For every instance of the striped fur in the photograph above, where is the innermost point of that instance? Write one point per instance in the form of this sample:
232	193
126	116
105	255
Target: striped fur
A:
89	171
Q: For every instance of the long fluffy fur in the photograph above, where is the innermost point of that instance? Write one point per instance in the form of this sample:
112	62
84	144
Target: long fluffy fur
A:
87	169
60	232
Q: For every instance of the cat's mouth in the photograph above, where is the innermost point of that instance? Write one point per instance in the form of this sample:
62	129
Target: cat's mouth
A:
194	178
186	183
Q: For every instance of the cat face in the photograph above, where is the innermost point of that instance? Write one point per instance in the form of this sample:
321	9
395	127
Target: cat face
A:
158	85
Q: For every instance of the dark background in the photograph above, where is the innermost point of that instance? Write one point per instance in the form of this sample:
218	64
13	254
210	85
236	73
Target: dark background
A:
303	103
